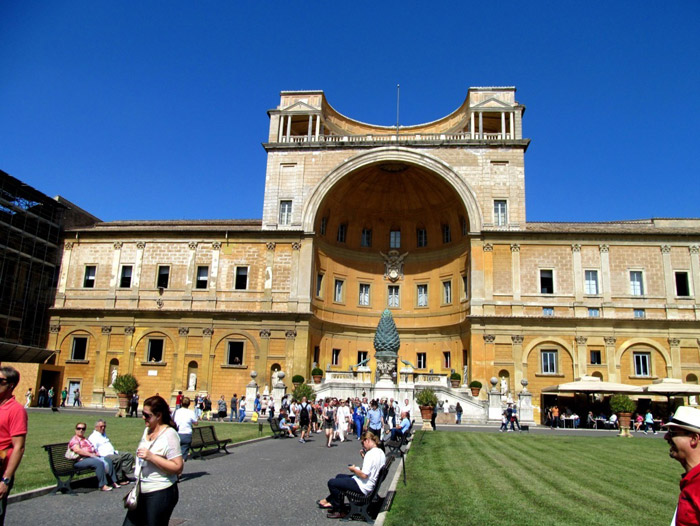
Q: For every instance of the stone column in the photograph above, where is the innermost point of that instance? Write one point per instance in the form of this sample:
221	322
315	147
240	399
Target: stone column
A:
292	368
318	128
214	273
472	127
261	359
296	269
205	376
503	125
515	265
308	132
578	272
111	298
582	367
191	269
488	272
605	275
63	276
289	126
477	277
674	368
179	361
669	282
481	125
613	375
695	271
129	353
512	125
98	389
517	357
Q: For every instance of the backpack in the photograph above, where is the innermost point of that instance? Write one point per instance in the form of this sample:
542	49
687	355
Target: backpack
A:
304	415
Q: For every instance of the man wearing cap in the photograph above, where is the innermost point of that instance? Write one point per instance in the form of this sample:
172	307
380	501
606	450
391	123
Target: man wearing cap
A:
683	435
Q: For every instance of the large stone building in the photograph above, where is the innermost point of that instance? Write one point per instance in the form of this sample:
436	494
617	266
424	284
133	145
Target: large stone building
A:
428	221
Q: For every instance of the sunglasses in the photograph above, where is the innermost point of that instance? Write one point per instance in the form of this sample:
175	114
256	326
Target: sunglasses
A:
4	381
80	428
147	415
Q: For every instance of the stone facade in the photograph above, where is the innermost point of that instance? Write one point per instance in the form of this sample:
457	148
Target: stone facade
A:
471	282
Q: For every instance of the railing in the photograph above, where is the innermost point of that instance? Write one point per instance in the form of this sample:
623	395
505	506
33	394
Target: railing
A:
402	137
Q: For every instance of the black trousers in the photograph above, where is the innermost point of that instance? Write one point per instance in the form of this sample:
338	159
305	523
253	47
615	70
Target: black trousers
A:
154	509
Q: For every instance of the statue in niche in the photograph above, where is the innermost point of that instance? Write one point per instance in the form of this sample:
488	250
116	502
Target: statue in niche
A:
113	375
268	278
504	386
192	384
465	370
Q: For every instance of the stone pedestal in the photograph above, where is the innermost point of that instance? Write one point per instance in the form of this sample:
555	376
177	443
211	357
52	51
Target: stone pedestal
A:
385	388
495	406
525	412
278	392
251	392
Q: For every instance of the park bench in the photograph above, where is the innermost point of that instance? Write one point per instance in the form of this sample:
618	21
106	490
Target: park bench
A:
205	436
394	447
62	467
360	503
277	431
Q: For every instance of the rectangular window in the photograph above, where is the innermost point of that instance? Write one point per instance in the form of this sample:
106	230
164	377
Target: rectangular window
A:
421	237
163	276
549	362
420	359
319	286
422	291
393	296
546	281
324	225
682	284
547	311
364	295
338	291
447	292
89	279
234	356
125	277
500	212
342	232
285	212
639	313
636	283
446	234
596	358
241	281
395	239
366	240
317	354
591	282
642	363
202	277
79	350
465	287
361	356
335	360
463	224
155	350
447	360
593	312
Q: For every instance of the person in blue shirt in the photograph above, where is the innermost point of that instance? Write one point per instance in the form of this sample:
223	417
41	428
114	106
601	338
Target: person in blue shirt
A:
375	419
401	429
358	418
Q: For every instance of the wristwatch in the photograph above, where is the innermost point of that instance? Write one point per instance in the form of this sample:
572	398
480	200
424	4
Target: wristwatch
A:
6	481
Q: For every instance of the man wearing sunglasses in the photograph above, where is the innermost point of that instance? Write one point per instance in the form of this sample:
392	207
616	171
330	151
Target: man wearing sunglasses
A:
13	432
683	437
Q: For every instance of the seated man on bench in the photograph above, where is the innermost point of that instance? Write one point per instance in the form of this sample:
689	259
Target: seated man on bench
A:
400	430
362	480
286	426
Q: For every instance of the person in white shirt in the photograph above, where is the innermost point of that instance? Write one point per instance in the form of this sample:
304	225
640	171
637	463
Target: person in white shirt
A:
185	418
123	462
362	479
343	419
405	408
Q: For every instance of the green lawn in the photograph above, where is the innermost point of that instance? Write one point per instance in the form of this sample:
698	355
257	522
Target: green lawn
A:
493	478
49	428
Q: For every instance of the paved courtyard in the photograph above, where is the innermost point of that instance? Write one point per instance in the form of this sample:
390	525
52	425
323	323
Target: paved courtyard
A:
269	482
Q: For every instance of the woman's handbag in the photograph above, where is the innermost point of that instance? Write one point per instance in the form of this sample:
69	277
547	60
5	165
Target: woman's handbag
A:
131	500
71	455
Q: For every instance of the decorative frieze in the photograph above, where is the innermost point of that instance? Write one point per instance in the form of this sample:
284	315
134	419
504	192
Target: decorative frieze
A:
129	330
489	338
674	342
183	331
291	334
207	331
106	329
581	340
609	340
517	339
265	333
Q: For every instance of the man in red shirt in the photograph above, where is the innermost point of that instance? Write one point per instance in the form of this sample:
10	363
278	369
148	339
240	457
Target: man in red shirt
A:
13	432
683	435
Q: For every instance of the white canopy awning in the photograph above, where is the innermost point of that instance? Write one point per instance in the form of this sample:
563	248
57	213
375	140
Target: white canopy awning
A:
672	387
592	384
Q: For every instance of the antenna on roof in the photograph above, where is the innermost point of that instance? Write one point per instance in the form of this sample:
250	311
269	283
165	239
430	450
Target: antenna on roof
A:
398	93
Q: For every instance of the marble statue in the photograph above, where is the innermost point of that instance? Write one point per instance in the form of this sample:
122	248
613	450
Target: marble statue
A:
504	386
192	385
114	376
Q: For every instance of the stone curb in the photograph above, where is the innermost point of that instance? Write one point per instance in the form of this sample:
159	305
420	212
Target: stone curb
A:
394	482
40	492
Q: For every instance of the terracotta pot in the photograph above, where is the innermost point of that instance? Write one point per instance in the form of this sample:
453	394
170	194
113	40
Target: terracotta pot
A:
455	383
317	378
475	390
624	419
426	412
123	401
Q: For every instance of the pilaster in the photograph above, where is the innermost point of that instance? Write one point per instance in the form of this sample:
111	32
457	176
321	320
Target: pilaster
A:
578	272
669	285
675	347
207	360
517	358
98	390
111	298
261	359
269	269
515	265
179	352
613	374
581	357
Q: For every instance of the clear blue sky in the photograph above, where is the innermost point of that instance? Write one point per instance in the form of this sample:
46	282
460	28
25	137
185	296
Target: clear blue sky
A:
157	110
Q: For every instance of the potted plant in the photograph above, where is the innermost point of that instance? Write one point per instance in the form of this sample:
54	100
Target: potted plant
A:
426	400
622	405
297	380
317	375
303	390
455	378
125	385
475	386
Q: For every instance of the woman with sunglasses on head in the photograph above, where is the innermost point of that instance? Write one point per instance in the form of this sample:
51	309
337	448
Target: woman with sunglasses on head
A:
159	459
90	459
